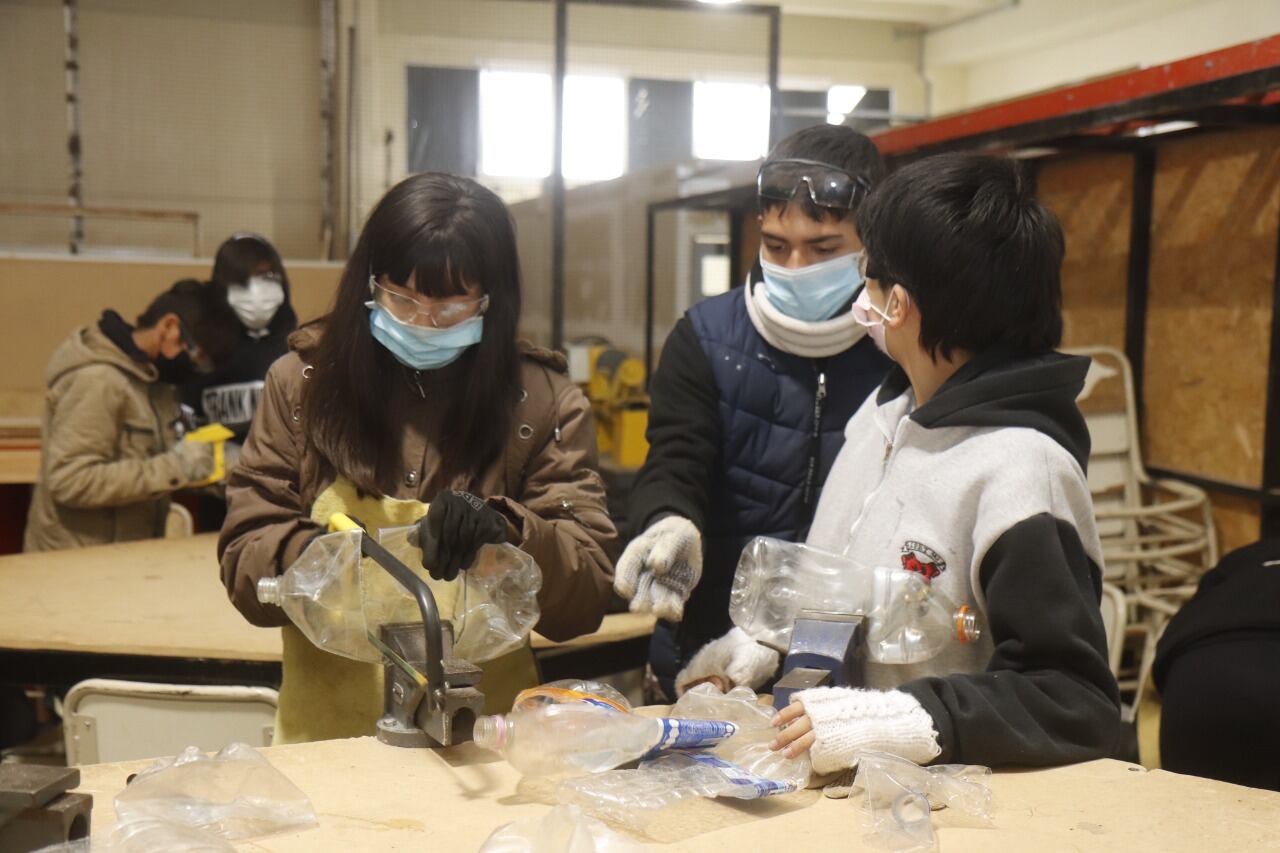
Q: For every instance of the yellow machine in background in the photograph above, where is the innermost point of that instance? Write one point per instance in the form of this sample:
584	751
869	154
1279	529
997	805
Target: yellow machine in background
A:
614	383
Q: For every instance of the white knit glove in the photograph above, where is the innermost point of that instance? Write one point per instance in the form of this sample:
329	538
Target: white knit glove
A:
195	458
735	657
847	721
660	568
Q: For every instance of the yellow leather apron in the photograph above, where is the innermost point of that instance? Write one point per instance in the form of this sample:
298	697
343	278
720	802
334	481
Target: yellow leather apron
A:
325	696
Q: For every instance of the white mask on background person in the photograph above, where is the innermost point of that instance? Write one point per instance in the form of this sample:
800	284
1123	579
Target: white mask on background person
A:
256	301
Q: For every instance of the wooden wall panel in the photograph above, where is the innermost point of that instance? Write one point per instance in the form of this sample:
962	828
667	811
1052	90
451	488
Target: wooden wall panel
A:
1092	198
1238	520
1217	201
45	298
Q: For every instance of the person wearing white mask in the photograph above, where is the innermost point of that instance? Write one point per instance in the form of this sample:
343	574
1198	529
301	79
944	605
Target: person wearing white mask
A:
257	289
750	399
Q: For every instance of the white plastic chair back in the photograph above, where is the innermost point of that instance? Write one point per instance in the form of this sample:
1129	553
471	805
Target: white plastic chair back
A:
1107	404
178	523
1115	621
1151	530
106	720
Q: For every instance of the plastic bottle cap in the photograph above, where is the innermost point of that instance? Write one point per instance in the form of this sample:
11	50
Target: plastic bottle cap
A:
490	732
967	630
269	590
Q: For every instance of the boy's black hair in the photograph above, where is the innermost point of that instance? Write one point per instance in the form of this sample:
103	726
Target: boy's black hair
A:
204	313
981	256
835	145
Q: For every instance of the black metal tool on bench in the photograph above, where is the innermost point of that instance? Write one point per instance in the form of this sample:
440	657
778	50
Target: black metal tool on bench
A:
37	808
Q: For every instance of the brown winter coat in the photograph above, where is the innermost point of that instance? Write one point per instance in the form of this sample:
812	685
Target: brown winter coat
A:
106	469
546	483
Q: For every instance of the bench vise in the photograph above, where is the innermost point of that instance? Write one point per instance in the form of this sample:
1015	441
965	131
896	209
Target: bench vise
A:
429	697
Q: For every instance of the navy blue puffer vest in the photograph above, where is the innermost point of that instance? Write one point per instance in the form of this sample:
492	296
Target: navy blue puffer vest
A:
782	424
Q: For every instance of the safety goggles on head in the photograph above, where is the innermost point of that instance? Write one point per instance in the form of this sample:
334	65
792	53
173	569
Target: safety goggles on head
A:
406	309
828	186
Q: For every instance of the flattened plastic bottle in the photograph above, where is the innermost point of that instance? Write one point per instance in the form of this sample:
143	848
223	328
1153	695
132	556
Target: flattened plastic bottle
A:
909	621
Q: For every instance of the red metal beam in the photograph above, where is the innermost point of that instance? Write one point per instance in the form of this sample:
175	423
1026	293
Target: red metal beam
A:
1205	68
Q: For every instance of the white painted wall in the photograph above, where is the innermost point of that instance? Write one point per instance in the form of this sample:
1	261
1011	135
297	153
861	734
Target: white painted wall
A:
1041	44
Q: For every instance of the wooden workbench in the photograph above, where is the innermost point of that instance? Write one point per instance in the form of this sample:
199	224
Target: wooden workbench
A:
371	797
158	608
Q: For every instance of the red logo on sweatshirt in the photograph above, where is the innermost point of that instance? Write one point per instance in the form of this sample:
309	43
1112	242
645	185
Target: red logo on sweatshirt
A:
920	558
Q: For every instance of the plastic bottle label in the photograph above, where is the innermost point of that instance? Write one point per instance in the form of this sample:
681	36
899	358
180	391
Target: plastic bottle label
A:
560	695
692	734
757	786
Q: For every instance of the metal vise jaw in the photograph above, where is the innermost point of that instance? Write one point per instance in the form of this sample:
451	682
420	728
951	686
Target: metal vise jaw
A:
418	713
36	809
827	650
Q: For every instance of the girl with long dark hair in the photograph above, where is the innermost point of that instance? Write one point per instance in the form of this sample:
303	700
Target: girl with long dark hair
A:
415	389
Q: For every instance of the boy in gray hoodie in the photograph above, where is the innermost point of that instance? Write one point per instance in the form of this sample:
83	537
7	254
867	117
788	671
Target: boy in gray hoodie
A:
968	466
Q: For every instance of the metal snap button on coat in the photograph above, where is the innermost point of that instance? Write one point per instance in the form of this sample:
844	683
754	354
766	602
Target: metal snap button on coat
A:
411	478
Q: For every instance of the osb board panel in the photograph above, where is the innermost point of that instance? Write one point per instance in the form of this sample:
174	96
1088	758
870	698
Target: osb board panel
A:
1238	520
1092	197
45	298
1217	199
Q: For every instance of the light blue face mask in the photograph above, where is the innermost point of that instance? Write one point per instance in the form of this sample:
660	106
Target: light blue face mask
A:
815	292
422	347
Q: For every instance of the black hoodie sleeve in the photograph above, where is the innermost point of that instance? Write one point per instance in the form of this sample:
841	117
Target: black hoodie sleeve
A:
684	434
1048	695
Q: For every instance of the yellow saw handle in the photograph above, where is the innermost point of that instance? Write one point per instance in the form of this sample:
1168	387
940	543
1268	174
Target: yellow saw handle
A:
341	521
218	436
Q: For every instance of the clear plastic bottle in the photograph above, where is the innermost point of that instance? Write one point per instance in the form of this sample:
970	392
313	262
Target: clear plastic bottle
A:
321	595
631	797
577	738
909	621
748	749
337	599
572	691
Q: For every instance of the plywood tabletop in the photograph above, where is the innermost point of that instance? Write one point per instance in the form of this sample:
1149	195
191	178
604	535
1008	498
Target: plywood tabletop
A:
162	597
372	797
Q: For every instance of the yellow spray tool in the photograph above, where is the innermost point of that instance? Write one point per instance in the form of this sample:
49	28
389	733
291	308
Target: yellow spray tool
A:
218	436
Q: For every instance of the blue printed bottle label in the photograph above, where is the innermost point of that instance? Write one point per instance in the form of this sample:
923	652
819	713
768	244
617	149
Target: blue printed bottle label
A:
693	734
753	786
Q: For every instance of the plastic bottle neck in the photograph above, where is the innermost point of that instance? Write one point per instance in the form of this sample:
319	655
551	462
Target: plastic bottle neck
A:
269	591
490	732
966	622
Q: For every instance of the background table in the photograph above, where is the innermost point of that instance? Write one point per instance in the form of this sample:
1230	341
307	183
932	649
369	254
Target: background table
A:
370	797
157	610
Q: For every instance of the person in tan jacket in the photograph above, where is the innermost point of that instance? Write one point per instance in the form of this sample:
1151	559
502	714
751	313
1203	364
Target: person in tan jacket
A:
415	392
110	451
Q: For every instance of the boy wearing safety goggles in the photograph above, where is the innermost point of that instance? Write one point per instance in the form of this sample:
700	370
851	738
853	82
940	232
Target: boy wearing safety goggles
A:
750	398
969	466
110	450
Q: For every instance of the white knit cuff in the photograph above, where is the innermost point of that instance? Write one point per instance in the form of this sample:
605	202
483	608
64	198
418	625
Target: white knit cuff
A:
847	721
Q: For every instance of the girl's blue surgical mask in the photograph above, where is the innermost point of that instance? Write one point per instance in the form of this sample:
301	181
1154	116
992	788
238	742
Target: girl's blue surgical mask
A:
423	347
815	292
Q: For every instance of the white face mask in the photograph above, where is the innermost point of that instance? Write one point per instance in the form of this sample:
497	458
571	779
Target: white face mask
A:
257	301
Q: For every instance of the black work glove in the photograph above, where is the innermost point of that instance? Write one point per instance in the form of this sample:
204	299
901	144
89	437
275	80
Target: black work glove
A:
453	530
